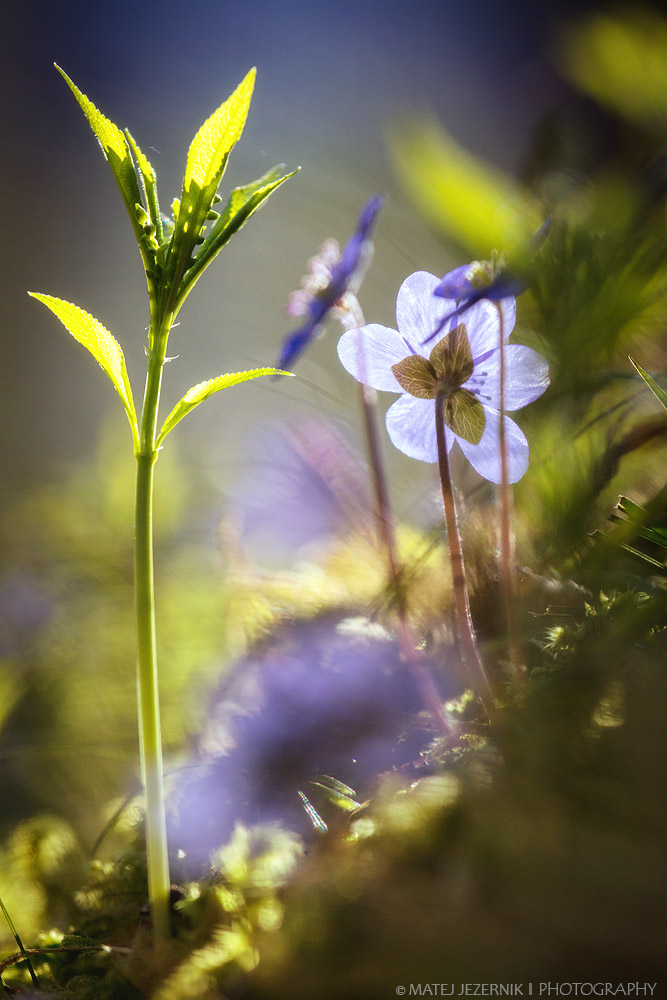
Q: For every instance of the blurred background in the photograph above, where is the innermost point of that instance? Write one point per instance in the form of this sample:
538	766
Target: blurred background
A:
332	79
531	109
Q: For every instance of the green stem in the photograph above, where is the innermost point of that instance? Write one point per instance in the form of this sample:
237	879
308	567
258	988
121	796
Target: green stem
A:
467	641
19	942
150	740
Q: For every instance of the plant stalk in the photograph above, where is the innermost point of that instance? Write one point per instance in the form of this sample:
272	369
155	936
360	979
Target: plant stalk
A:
466	634
507	562
150	740
385	527
22	951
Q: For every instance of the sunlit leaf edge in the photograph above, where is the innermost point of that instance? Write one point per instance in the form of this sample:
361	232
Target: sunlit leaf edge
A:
205	165
221	233
657	391
103	346
116	152
198	393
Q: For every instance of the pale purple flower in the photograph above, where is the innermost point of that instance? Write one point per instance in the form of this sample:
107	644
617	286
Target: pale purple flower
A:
371	352
331	276
492	280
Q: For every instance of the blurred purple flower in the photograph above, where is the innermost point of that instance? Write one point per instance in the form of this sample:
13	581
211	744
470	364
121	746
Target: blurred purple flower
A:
373	353
331	276
317	491
327	696
471	283
492	280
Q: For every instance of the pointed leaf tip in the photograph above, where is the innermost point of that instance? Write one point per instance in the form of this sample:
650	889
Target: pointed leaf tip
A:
656	389
117	152
198	393
102	345
215	138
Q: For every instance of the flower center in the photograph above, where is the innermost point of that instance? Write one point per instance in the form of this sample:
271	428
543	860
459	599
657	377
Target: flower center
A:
448	367
483	273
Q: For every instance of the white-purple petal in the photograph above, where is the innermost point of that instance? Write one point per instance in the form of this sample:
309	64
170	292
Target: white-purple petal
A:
526	377
411	427
485	456
369	352
482	324
418	311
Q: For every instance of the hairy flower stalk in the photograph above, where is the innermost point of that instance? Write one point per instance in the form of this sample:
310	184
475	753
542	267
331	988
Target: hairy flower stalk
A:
329	291
406	639
467	285
507	573
466	634
460	381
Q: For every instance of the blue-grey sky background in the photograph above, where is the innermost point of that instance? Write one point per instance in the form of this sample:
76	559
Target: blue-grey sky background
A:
331	78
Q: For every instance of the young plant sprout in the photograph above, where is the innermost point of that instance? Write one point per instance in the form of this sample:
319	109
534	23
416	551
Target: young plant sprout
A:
174	256
451	397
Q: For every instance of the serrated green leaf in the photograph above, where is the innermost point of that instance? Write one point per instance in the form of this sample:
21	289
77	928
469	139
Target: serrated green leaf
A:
465	415
243	202
149	180
657	391
102	345
205	165
116	150
216	137
198	393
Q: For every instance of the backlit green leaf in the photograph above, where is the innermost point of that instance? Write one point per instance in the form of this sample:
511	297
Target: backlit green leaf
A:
465	415
116	150
215	138
657	391
452	358
198	393
149	180
102	345
416	375
339	794
620	59
205	165
637	515
243	202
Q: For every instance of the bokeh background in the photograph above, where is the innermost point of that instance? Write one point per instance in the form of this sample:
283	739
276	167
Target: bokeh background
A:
333	78
265	546
256	475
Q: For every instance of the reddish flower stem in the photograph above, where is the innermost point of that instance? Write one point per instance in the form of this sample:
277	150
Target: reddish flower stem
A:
507	562
425	684
466	634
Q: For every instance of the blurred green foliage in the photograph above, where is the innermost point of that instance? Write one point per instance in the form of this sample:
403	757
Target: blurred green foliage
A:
500	857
